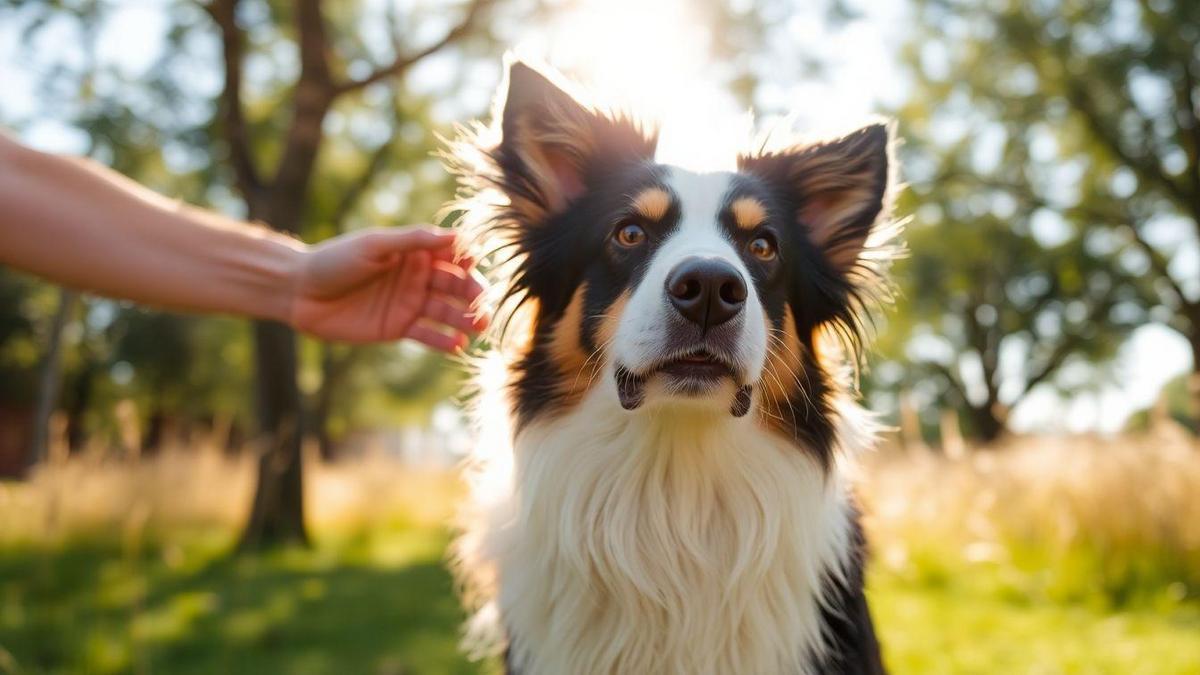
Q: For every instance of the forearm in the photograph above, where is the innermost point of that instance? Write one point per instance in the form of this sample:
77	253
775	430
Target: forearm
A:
80	225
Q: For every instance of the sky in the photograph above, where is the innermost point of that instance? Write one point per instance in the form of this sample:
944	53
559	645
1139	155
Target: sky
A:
668	73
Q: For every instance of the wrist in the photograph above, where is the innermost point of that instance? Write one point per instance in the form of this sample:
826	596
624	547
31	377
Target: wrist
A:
294	259
262	270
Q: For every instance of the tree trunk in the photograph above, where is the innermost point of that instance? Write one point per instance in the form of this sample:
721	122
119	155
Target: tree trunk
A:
50	379
334	369
156	426
79	400
277	514
988	423
1193	382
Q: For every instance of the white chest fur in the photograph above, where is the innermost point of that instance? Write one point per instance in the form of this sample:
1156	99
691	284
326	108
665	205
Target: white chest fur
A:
656	542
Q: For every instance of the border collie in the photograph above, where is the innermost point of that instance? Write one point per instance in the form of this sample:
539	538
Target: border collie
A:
667	411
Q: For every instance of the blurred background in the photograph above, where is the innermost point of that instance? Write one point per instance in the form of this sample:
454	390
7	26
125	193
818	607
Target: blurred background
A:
1035	509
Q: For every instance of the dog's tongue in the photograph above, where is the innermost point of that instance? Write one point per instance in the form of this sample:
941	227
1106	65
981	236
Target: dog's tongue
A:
741	401
631	389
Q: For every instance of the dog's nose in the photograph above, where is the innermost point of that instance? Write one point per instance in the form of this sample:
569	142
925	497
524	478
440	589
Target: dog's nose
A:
706	291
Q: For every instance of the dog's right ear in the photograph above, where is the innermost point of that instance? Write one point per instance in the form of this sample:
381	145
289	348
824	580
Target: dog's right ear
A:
553	144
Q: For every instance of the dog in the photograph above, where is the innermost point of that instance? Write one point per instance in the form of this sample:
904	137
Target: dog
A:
667	412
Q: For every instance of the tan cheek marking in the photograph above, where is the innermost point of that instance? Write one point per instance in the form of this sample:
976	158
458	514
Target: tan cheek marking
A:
521	327
612	319
579	370
565	345
652	203
748	213
782	378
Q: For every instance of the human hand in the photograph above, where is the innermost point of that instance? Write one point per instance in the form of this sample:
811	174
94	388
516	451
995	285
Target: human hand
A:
386	284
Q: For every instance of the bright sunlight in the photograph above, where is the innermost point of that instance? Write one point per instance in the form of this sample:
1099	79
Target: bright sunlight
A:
654	57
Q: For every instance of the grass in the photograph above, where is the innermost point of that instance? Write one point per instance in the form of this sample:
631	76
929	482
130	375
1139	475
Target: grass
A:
1081	557
373	603
964	624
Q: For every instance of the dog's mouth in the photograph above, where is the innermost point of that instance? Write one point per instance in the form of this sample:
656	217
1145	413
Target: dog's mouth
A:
700	365
693	373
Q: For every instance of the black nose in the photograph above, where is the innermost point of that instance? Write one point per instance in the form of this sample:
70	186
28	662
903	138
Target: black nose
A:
706	291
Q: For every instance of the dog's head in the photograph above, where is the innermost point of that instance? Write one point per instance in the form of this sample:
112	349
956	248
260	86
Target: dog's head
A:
671	289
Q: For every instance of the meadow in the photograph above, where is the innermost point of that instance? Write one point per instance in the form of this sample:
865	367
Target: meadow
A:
1048	556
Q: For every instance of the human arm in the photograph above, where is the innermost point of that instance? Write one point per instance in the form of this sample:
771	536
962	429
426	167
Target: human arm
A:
82	225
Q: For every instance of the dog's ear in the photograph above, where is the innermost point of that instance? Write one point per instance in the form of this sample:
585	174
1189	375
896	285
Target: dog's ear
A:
839	189
553	143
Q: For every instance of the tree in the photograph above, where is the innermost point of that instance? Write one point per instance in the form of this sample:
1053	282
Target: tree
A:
279	199
1055	173
304	115
279	142
990	313
1103	101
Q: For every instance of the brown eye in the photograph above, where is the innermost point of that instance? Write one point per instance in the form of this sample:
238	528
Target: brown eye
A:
763	248
631	235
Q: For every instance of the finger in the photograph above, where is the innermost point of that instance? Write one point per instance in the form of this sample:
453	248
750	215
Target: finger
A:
454	280
437	339
414	274
440	309
454	254
448	254
411	238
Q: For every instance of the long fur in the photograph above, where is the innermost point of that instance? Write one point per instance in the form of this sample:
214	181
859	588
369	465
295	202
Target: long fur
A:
673	540
709	541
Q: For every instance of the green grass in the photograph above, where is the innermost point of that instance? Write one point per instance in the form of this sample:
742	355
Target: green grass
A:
371	603
380	602
975	622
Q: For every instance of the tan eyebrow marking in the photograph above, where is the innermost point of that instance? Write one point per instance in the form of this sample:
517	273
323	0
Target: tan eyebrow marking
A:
748	212
652	203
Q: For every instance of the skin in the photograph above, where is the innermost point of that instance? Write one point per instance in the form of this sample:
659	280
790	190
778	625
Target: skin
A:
81	225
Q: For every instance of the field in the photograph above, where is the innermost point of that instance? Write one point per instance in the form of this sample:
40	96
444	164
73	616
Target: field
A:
1078	556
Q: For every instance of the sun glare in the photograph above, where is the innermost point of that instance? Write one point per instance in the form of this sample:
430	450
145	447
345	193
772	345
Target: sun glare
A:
652	57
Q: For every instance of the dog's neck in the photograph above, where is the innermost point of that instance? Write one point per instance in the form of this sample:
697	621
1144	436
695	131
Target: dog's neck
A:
664	540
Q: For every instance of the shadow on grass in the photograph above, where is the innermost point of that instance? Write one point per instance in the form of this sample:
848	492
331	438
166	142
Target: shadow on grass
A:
353	608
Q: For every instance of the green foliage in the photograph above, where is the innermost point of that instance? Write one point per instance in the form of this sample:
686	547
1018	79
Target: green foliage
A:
1175	401
161	126
18	339
1048	153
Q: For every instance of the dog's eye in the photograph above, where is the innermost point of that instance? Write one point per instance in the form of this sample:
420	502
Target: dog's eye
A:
763	248
630	235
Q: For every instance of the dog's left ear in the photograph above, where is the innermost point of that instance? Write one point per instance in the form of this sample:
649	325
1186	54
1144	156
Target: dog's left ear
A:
553	144
838	189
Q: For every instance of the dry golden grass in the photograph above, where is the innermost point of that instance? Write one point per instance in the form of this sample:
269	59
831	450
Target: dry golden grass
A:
91	495
1120	515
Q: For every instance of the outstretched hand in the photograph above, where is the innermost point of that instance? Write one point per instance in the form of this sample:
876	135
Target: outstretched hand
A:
387	284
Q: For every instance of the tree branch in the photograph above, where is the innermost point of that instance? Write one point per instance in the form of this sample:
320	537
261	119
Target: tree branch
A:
358	187
1061	351
310	27
1160	265
946	372
1147	168
1158	261
405	61
224	14
310	102
1189	114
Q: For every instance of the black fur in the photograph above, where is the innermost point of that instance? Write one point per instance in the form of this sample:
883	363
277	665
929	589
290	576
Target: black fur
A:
854	649
571	247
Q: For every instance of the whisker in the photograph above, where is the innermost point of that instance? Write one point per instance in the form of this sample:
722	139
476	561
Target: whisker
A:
776	340
596	352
